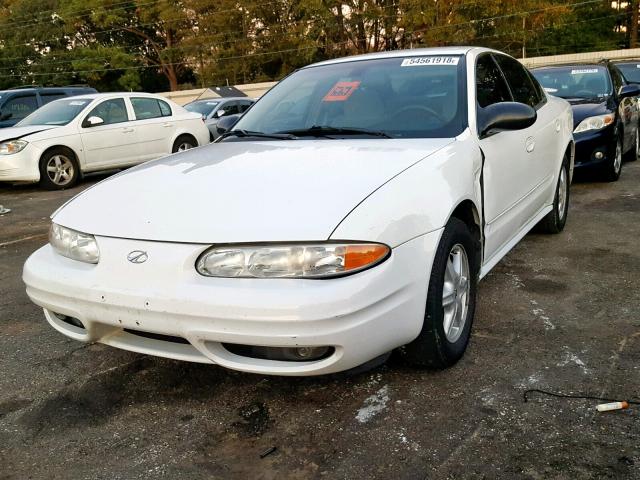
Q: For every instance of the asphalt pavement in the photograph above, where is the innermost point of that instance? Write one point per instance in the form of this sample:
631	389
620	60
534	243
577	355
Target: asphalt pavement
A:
559	313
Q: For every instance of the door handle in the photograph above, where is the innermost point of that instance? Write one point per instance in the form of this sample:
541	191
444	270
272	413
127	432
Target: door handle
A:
167	125
127	130
530	144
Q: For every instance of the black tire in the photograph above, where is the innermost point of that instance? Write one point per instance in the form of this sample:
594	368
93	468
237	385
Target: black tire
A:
613	167
633	154
556	219
432	348
182	141
67	173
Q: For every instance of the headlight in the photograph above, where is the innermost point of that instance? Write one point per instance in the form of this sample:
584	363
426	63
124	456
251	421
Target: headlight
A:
594	123
318	260
12	146
76	245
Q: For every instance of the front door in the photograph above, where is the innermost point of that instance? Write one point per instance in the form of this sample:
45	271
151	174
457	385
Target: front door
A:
114	142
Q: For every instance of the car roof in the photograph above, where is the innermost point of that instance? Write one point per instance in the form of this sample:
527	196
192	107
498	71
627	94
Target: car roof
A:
568	65
40	89
406	53
219	99
96	96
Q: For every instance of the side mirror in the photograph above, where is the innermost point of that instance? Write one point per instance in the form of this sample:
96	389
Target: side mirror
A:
5	116
631	90
227	123
92	122
220	113
505	116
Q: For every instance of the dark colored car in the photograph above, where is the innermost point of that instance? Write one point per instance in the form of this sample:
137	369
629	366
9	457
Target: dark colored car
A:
630	70
605	113
17	103
213	109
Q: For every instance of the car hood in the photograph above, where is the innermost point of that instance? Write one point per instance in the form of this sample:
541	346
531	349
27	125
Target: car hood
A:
587	108
243	191
12	133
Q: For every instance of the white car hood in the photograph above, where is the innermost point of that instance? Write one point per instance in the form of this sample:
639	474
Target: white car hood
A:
12	133
244	191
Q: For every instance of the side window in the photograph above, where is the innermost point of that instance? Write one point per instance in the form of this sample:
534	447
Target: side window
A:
111	111
20	106
617	79
519	80
146	108
230	108
244	106
165	109
50	97
542	96
490	85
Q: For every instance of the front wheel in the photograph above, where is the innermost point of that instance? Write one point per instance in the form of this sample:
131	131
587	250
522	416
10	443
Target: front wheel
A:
614	165
451	301
58	169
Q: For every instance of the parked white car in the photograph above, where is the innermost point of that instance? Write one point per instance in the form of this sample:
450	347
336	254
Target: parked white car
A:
351	211
65	138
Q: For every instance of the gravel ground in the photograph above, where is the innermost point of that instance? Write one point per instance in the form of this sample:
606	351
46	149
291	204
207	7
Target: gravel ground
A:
559	313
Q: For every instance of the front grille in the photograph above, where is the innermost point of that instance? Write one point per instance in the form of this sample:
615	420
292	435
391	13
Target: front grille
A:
158	336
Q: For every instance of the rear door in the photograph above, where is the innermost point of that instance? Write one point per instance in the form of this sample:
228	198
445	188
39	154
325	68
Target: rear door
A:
512	170
155	126
115	141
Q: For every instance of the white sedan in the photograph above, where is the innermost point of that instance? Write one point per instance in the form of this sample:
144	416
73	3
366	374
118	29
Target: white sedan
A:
351	211
65	138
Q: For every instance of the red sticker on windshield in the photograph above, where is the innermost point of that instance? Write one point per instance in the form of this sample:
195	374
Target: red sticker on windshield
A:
341	91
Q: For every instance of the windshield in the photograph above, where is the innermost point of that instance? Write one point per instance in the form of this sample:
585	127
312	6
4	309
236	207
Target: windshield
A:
60	112
631	71
403	97
203	108
578	81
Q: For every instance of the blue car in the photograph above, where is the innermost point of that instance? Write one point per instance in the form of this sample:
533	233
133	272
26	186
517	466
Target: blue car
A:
605	113
17	103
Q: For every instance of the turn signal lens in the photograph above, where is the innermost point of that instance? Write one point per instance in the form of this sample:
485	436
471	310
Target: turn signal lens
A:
321	260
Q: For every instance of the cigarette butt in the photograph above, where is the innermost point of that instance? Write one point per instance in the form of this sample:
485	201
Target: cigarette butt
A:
607	407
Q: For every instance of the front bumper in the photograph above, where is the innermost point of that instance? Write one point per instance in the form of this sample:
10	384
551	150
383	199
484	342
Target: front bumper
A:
589	144
19	167
362	316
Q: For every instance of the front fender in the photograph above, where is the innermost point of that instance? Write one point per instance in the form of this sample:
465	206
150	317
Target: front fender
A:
420	199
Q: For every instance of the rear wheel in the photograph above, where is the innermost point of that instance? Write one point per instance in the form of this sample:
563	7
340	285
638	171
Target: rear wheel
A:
556	219
58	169
451	301
633	154
184	143
614	166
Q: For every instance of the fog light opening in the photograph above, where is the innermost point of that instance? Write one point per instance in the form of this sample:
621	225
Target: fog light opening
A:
69	320
598	155
287	354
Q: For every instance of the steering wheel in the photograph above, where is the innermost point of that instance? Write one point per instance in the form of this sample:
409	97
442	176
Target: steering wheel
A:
420	109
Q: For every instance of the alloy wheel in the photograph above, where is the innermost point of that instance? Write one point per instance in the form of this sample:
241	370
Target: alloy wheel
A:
455	293
60	169
184	146
617	161
562	193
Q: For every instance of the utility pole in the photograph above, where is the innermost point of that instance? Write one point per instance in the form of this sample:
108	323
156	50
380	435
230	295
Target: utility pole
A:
524	36
633	28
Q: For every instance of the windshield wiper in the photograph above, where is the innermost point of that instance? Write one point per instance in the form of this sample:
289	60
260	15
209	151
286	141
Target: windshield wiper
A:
323	131
248	133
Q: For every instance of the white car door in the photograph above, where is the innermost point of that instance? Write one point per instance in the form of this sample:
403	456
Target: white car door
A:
155	124
511	173
114	141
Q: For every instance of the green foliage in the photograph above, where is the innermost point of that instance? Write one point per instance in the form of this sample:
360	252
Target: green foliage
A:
159	44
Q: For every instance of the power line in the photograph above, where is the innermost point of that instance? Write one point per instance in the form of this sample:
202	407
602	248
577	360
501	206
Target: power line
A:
476	21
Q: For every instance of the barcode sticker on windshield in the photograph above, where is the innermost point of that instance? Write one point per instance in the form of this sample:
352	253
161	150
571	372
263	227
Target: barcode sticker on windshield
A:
341	91
584	70
423	61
